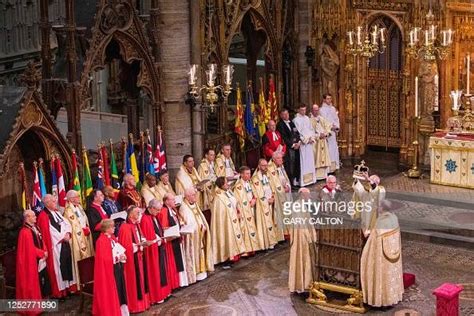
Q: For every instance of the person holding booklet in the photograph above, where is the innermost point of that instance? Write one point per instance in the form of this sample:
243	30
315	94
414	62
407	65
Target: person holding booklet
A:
168	218
196	238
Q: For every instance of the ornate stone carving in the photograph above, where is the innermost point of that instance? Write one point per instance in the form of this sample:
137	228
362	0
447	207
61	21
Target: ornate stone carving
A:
329	66
31	116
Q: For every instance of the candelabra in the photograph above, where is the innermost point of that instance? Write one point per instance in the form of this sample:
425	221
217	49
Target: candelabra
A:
365	43
430	46
210	92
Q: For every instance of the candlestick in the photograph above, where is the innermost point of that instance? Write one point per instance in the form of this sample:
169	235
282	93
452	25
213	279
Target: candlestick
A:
445	43
416	96
374	38
436	100
382	35
427	38
351	41
412	41
359	31
468	72
433	33
415	34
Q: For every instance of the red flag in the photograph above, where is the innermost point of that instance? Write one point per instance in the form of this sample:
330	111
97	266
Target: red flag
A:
160	154
272	102
105	162
61	187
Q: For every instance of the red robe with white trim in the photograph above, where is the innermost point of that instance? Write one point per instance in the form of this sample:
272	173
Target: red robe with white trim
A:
155	260
270	144
106	301
137	288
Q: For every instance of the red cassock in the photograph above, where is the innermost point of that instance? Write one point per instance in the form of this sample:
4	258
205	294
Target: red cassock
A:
43	224
171	267
155	260
271	141
136	287
30	249
106	301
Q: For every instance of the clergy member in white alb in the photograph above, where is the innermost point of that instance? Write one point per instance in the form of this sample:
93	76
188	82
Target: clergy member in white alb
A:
307	135
329	112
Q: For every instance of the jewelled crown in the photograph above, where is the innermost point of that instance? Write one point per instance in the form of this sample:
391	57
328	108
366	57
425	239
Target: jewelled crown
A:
360	171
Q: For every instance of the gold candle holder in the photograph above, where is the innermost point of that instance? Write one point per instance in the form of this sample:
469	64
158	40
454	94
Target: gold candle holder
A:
414	171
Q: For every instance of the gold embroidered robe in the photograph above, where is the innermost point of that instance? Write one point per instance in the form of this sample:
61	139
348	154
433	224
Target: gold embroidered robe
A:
322	160
81	245
227	239
222	170
264	219
206	170
243	193
150	193
185	180
197	246
162	189
278	186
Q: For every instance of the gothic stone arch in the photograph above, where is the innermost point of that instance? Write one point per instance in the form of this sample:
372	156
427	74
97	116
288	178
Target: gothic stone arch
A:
121	23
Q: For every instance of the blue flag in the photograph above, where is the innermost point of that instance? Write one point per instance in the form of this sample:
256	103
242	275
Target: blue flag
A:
250	125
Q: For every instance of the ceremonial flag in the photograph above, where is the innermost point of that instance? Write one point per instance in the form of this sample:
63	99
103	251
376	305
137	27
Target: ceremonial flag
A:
262	111
54	180
249	116
150	168
37	196
61	186
142	159
239	119
105	162
76	184
24	200
160	154
100	175
41	177
86	174
132	161
272	102
113	169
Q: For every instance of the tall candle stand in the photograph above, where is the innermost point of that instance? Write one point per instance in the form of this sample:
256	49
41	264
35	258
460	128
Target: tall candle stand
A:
414	171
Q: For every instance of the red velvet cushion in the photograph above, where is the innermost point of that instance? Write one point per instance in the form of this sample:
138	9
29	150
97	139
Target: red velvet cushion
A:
408	280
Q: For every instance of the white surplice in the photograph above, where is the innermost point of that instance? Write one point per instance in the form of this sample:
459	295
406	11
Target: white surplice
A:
329	112
56	240
308	172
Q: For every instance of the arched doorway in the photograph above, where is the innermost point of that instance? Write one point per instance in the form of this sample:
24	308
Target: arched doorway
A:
384	90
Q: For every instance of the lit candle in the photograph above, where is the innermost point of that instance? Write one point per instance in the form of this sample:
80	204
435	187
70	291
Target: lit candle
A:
359	31
192	75
427	38
374	37
382	35
412	41
416	96
436	100
415	34
433	32
351	40
227	77
450	36
468	72
444	42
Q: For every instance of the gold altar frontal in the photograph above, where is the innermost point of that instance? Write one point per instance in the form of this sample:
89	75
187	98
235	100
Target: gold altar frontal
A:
452	159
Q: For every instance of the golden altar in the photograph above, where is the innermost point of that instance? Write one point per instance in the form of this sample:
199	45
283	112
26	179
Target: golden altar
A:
452	159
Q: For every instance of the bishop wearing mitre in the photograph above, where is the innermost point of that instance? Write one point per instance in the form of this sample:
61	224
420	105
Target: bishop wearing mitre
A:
227	240
188	177
224	163
246	201
322	128
280	184
266	234
197	238
81	239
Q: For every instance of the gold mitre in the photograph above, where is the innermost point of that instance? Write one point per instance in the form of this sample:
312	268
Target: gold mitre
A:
360	171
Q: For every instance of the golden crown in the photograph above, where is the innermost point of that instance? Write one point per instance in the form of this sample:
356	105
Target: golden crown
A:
360	170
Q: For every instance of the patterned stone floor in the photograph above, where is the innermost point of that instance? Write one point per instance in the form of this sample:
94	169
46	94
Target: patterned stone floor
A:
258	286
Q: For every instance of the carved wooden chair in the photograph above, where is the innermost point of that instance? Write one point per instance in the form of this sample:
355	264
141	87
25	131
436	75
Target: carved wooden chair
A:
86	275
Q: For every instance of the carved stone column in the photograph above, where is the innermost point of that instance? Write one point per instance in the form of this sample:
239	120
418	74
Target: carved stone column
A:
175	52
304	30
132	115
